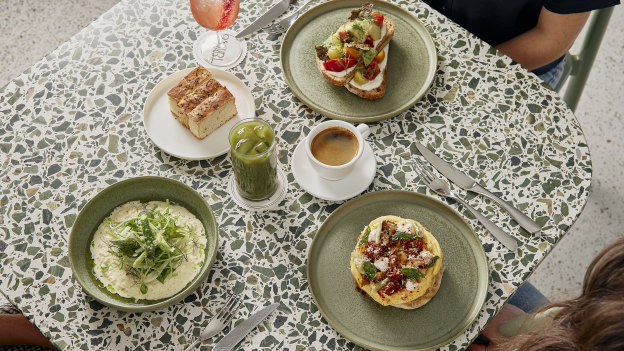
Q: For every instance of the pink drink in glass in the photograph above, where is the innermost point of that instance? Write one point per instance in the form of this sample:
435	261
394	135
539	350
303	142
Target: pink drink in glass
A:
219	48
215	14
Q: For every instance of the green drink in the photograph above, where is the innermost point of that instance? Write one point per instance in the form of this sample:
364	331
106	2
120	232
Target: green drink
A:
254	160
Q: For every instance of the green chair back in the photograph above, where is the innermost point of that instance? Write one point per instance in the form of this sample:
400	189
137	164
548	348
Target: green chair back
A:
578	66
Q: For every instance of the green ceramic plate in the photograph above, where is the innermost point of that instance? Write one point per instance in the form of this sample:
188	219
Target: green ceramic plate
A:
97	209
365	322
412	63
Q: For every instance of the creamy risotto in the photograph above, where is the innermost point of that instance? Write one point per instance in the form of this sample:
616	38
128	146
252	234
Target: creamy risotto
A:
148	250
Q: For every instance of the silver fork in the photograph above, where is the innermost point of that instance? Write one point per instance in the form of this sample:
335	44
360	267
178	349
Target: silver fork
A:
286	22
219	321
442	188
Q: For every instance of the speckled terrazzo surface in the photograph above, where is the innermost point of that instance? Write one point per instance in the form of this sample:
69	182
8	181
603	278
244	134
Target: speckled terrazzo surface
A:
71	125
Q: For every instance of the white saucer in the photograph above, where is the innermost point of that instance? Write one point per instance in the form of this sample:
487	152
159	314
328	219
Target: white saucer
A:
334	190
173	138
229	37
262	205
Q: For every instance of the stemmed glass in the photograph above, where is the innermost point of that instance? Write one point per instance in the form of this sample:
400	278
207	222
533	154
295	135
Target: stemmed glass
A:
218	48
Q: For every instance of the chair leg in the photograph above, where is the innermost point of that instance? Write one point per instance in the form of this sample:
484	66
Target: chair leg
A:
591	44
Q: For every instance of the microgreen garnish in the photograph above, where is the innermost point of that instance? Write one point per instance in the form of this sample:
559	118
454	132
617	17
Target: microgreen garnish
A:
149	245
433	261
411	273
398	236
369	270
365	236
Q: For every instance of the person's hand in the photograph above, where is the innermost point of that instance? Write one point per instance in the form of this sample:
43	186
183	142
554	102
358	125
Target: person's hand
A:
508	312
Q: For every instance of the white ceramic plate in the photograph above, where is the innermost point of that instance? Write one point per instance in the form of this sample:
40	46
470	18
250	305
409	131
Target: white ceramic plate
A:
334	190
173	138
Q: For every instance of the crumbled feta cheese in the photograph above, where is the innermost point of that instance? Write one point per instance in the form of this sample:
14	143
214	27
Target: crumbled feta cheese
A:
375	234
405	227
382	264
425	257
411	284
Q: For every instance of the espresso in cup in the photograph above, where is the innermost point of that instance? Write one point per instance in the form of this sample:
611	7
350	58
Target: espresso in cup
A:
335	146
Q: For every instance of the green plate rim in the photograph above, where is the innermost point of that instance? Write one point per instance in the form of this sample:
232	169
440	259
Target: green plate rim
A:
480	256
379	4
145	305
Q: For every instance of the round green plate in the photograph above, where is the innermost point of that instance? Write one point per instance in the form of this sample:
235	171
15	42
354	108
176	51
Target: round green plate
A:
367	323
412	63
143	189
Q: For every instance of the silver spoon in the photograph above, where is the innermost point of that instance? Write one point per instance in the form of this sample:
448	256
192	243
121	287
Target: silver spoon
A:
285	23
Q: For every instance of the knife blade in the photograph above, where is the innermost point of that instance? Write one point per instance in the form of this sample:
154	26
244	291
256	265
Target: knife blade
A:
240	331
467	183
268	17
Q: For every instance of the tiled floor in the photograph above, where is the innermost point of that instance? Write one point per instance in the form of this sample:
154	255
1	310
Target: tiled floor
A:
30	29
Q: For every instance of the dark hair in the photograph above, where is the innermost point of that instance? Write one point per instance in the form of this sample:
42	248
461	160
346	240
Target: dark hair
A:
592	321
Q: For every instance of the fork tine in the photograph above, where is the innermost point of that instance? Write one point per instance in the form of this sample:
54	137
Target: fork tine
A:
231	309
232	313
421	171
429	172
227	306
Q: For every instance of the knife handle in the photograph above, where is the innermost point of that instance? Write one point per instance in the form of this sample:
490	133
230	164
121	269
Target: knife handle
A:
525	221
505	238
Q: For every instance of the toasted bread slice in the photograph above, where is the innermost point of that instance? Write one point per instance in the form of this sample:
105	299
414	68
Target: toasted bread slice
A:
341	78
183	88
200	103
375	88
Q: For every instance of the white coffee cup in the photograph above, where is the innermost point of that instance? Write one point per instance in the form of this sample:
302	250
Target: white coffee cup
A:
336	172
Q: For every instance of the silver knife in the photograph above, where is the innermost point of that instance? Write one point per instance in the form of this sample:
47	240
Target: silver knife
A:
470	184
240	331
268	17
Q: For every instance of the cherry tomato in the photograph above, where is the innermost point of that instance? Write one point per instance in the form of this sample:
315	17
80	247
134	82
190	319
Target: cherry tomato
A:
339	65
377	18
352	53
345	37
380	56
369	41
371	71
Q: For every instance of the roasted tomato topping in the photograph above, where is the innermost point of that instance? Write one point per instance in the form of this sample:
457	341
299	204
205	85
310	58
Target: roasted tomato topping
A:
392	287
413	246
377	18
374	251
339	65
371	71
394	274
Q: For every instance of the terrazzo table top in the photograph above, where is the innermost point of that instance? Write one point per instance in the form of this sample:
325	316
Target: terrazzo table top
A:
71	125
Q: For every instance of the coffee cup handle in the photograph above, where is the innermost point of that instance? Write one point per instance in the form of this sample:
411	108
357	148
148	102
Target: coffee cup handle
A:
363	129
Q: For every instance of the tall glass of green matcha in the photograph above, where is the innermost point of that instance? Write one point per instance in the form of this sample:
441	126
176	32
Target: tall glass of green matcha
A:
254	159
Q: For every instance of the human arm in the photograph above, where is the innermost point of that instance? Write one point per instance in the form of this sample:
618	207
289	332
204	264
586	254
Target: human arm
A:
15	329
507	313
551	38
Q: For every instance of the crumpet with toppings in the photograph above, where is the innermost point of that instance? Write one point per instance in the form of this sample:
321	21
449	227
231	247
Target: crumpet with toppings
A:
397	262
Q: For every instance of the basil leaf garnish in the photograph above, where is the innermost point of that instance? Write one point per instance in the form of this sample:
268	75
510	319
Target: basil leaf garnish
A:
143	288
365	236
370	270
411	273
433	261
398	236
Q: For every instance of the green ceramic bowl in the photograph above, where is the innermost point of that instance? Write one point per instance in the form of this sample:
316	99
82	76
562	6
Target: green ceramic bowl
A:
97	209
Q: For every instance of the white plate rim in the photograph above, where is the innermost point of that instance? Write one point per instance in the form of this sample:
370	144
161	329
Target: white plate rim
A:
245	105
